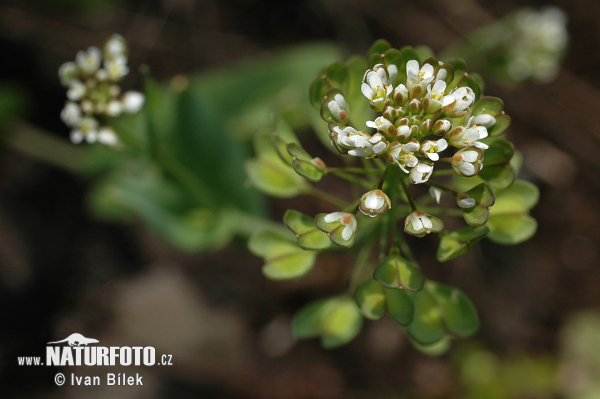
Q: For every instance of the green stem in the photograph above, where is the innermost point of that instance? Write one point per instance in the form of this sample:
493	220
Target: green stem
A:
326	197
351	179
383	176
411	202
361	270
43	146
247	224
443	172
442	211
354	170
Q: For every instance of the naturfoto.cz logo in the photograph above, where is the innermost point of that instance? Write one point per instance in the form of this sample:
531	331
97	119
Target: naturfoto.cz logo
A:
76	351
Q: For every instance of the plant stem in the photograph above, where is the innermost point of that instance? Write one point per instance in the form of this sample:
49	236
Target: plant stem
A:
43	146
361	269
351	179
411	202
326	197
443	172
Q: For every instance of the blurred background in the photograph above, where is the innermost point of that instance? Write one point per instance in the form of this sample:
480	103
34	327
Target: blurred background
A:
76	257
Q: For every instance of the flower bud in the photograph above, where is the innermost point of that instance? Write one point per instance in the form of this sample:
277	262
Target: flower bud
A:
468	161
426	125
415	106
441	127
464	201
400	95
383	126
374	203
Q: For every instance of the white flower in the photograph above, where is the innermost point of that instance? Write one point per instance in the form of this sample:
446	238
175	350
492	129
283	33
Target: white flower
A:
376	86
403	154
483	120
339	108
420	221
403	132
464	201
87	129
67	72
115	46
431	148
133	101
108	136
89	61
369	148
462	137
382	125
71	114
393	72
420	173
433	99
114	108
457	103
76	90
418	79
435	193
374	203
116	67
468	161
346	219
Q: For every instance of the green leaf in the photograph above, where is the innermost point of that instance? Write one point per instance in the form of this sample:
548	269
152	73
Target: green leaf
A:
459	242
308	170
296	151
497	169
399	305
427	326
483	194
477	215
308	236
379	47
509	221
459	314
283	259
397	272
338	76
502	123
499	176
274	178
371	299
488	105
318	91
337	320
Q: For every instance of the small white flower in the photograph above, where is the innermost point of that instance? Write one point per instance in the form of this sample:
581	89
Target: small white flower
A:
464	201
418	79
67	72
374	203
116	67
114	108
133	101
339	108
382	125
377	86
433	99
468	161
420	173
369	148
108	136
403	132
457	103
89	61
420	221
431	148
403	154
435	193
87	129
71	114
115	46
76	90
462	137
483	120
346	219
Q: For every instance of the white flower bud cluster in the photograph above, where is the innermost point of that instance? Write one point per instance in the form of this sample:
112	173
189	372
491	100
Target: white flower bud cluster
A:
94	94
420	119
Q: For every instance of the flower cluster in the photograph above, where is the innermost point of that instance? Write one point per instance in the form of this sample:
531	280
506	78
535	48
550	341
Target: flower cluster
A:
418	121
94	94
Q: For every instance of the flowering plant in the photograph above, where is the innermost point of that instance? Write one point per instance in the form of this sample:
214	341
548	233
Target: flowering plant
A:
428	124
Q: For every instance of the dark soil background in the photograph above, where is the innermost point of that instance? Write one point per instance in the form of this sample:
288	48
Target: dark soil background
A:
225	324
